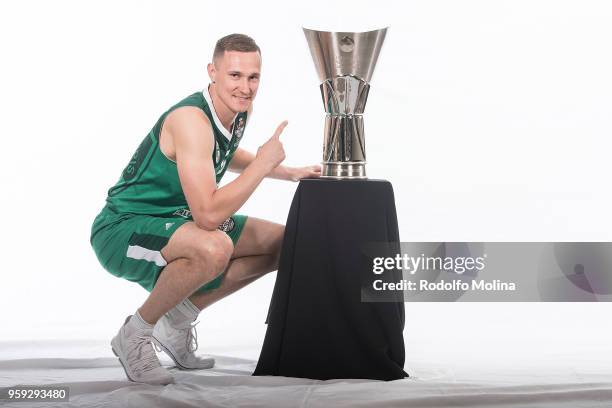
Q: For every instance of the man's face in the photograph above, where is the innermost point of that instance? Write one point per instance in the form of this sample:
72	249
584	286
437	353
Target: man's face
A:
236	77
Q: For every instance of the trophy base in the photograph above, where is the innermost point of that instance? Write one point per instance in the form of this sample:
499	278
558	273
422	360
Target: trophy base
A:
343	170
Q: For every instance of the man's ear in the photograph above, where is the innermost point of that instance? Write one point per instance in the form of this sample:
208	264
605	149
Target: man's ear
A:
212	72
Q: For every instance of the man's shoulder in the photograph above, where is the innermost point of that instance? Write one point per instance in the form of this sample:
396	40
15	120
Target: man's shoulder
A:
195	101
189	126
187	116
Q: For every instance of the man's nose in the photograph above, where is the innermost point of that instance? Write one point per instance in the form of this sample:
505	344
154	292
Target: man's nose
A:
244	86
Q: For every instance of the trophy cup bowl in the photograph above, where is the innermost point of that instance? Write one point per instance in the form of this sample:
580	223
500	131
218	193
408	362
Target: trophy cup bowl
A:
345	62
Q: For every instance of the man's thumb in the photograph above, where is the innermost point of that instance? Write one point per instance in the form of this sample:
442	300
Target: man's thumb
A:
279	129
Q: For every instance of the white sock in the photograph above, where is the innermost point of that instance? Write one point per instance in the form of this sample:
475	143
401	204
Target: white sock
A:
183	312
193	307
139	322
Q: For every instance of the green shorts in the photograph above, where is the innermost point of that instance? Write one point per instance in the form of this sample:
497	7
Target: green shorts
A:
129	246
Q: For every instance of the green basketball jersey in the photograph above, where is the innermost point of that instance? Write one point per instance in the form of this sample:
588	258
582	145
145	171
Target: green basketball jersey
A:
150	183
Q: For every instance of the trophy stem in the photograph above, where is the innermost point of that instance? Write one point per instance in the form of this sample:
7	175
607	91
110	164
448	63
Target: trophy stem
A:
344	147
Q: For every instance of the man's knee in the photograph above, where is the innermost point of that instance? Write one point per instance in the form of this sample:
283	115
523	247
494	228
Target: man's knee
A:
220	250
214	253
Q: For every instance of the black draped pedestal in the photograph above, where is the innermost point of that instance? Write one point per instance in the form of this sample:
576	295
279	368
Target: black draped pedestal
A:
318	327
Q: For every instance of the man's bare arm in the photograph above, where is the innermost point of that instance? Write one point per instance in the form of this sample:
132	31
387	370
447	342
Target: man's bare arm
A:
242	158
193	142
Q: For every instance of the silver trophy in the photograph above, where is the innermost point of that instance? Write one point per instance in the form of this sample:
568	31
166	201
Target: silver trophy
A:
345	63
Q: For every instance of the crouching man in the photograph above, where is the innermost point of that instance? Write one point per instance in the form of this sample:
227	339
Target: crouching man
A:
167	226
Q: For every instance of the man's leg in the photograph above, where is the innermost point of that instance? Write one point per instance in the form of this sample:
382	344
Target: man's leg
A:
256	253
194	257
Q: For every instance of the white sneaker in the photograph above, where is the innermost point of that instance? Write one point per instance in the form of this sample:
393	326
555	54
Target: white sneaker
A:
133	347
180	341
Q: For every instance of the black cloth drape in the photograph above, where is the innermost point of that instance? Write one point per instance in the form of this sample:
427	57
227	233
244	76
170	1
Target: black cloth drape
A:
317	325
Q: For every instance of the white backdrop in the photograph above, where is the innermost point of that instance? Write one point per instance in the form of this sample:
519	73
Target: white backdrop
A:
490	118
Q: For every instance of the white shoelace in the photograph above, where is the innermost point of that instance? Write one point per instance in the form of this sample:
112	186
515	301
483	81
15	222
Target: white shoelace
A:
145	360
191	337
